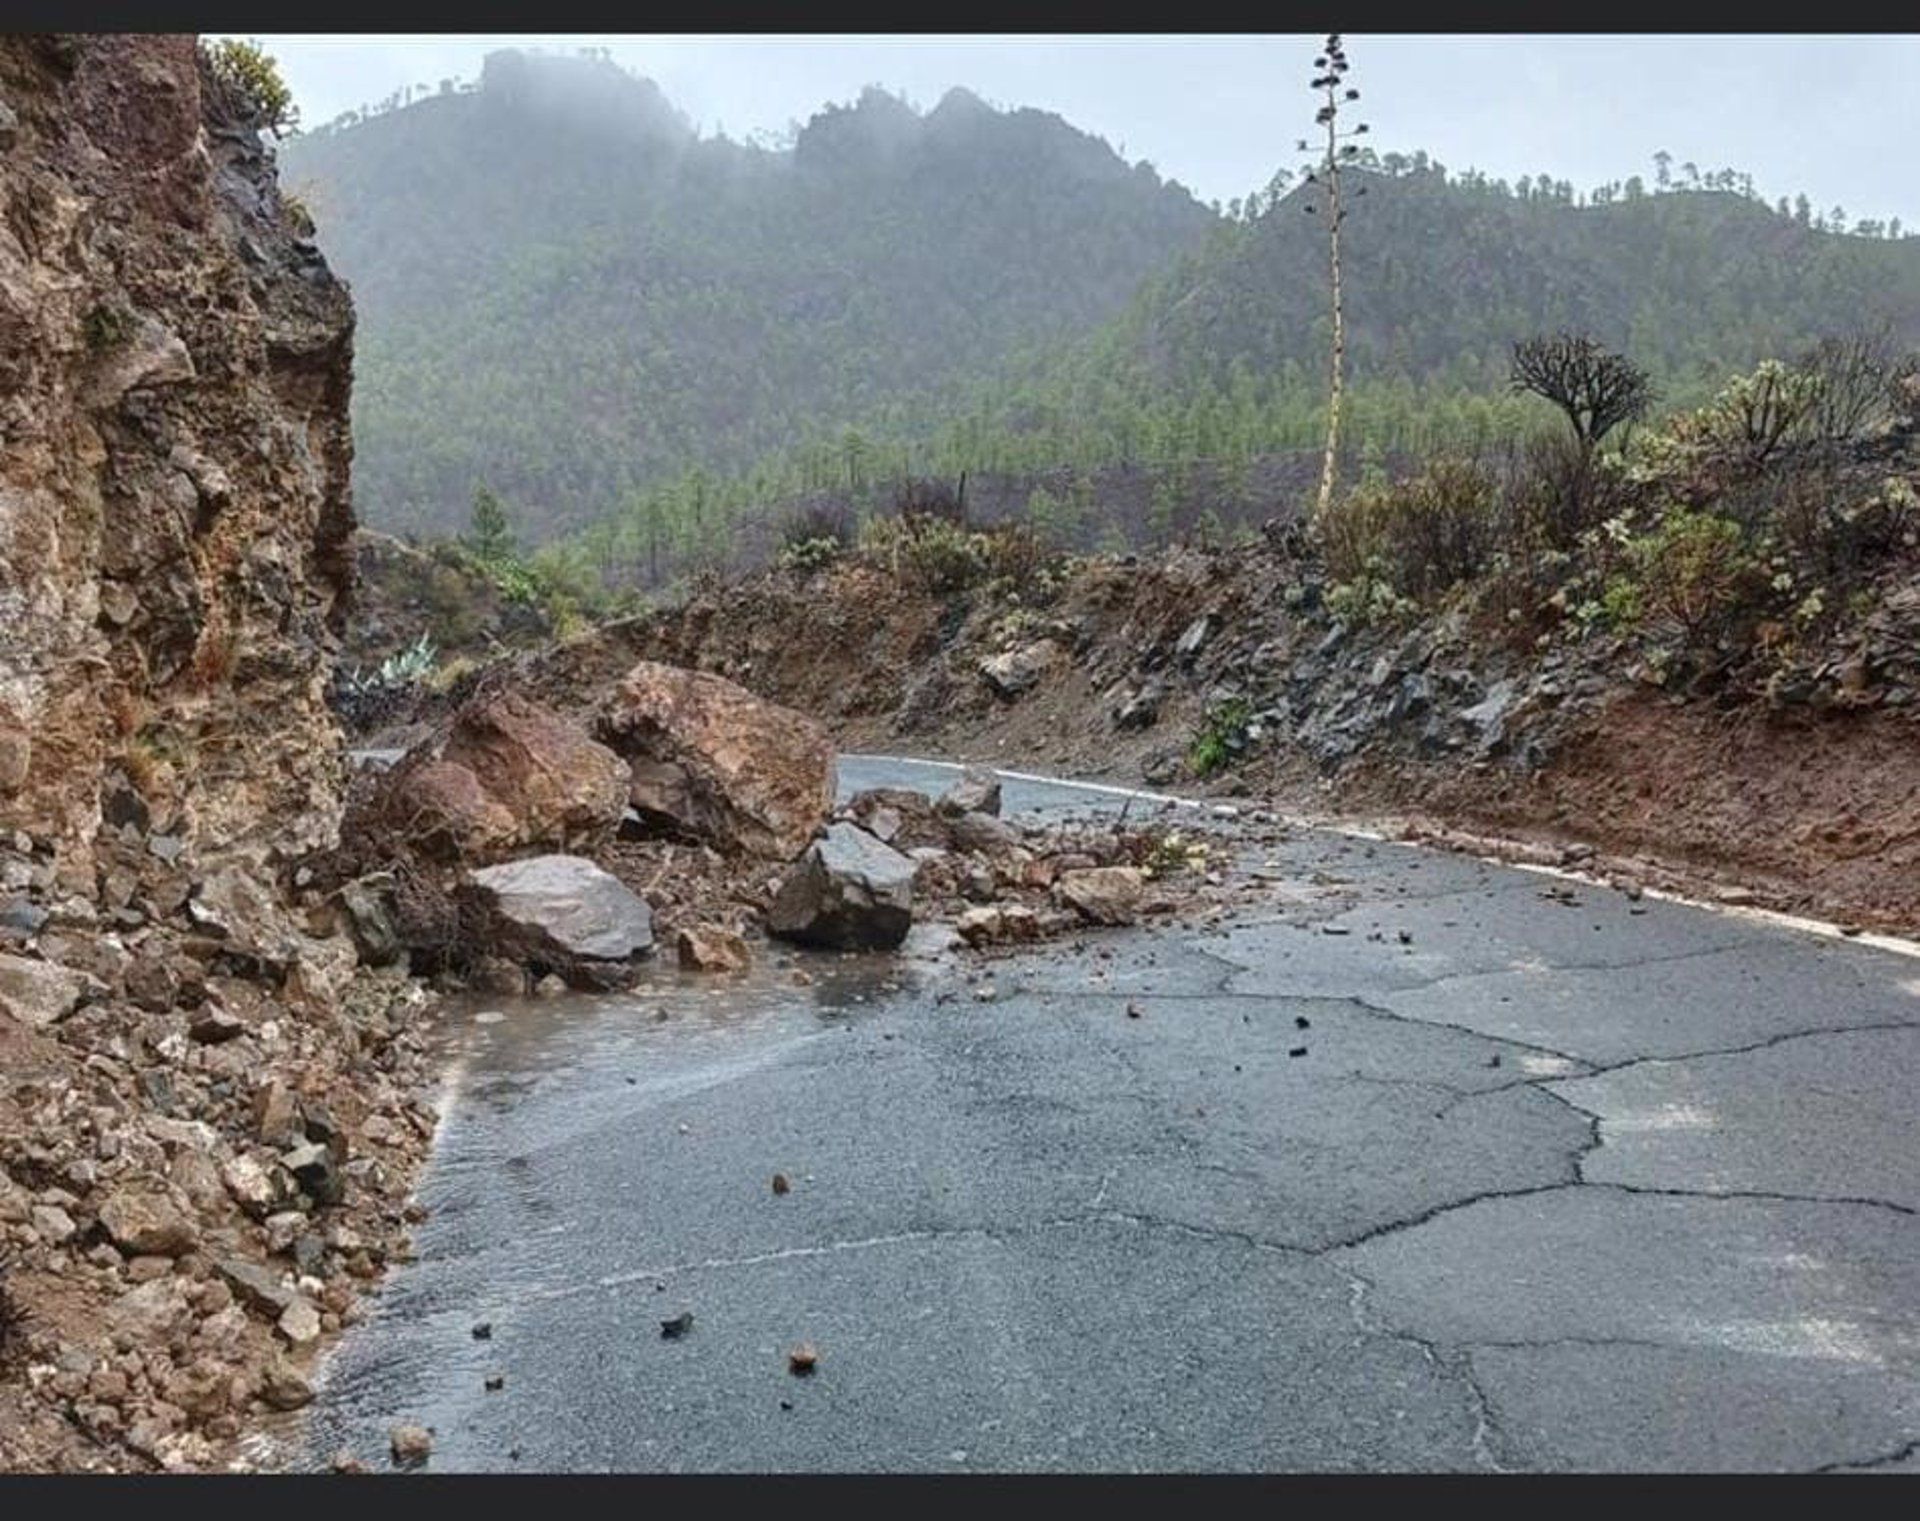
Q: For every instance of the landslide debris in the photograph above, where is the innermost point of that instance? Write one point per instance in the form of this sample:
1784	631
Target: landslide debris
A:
211	1111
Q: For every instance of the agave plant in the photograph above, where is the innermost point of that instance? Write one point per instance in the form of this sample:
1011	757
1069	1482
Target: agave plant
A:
408	666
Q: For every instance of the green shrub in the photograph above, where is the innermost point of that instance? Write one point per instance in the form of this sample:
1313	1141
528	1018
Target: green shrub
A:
250	71
1693	573
1369	597
1221	736
1419	537
810	554
1754	418
816	532
936	553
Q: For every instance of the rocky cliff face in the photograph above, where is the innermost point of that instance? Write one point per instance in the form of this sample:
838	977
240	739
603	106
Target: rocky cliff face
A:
175	363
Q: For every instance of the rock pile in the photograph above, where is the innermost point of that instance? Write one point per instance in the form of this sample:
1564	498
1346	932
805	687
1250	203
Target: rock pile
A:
201	1087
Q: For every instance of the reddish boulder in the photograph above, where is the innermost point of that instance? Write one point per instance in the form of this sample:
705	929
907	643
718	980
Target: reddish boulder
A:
710	760
505	775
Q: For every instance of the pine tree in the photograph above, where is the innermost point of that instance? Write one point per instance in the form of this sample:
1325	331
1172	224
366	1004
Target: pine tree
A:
490	536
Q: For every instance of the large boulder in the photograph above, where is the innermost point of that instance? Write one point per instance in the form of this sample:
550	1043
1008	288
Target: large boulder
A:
710	760
505	775
565	913
565	791
850	891
441	810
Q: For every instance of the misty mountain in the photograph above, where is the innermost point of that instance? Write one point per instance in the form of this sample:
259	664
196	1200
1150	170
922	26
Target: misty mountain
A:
566	292
1443	274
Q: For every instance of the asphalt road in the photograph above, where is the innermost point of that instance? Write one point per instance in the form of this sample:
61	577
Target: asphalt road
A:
1551	1184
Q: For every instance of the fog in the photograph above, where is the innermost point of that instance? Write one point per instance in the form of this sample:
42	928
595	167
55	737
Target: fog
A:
1834	117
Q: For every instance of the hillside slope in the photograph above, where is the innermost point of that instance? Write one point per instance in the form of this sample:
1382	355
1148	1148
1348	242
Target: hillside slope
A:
1442	275
565	292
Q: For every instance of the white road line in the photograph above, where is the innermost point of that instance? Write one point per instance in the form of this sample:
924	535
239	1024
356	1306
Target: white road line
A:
1898	945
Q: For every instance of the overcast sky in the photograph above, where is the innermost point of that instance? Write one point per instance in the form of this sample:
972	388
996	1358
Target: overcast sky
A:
1836	117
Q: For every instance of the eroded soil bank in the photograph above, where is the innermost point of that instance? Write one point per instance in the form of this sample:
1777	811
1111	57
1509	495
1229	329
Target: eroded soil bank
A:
1799	791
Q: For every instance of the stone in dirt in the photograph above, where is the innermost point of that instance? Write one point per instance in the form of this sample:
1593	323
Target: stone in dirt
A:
977	791
255	1286
711	760
52	1224
146	1223
850	891
257	1189
152	1311
214	1026
237	906
998	924
284	1387
1103	894
709	948
563	909
276	1115
38	993
1018	671
1193	639
901	817
368	907
299	1323
1139	710
315	1169
982	833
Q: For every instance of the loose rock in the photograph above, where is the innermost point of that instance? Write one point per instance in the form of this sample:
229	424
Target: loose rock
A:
1103	894
709	948
848	892
411	1445
977	791
564	909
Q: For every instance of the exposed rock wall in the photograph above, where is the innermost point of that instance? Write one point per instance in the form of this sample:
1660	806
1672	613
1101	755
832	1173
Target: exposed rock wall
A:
175	513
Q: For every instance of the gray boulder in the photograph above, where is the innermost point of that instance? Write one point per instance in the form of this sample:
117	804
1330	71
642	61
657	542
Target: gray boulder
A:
562	911
849	891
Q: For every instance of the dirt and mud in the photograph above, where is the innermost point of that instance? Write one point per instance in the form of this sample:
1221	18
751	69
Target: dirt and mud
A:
1797	795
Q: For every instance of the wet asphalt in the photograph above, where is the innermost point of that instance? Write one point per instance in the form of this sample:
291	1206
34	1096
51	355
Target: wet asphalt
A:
1420	1164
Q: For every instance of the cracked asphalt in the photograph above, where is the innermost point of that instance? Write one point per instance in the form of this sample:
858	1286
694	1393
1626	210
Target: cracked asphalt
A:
1561	1182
